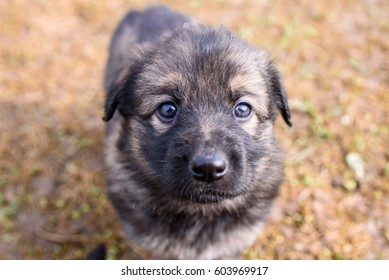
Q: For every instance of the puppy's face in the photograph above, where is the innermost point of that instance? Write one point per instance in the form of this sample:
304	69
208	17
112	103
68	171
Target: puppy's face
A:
199	108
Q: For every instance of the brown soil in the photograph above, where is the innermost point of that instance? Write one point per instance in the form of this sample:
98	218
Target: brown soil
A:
334	58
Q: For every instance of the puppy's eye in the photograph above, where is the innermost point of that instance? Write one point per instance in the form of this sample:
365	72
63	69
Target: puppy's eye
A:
167	111
242	111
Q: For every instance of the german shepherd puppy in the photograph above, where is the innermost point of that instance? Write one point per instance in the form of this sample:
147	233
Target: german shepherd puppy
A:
191	158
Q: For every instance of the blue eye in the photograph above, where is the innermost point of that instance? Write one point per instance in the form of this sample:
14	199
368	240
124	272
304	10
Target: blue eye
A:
242	111
167	111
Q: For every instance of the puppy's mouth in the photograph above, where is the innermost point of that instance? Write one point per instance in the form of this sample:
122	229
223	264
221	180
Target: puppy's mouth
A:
208	195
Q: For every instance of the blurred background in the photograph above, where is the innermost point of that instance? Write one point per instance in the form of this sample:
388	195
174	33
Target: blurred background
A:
333	55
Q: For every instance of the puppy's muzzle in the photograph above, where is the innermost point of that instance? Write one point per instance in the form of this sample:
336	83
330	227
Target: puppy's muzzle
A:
208	165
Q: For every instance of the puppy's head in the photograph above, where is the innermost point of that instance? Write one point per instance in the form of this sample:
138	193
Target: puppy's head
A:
199	107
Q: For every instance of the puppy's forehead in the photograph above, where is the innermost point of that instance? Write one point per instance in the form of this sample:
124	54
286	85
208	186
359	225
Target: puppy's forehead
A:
194	63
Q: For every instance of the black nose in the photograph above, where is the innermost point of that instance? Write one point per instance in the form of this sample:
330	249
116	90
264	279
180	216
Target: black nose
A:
208	168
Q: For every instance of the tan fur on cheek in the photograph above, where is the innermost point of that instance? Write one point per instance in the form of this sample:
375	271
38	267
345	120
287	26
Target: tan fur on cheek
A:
110	152
159	126
135	147
266	134
251	125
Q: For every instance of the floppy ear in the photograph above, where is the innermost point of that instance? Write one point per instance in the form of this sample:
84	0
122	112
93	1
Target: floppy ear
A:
278	91
111	101
120	80
116	92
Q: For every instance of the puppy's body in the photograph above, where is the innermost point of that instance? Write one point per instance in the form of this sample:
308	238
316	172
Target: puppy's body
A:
192	162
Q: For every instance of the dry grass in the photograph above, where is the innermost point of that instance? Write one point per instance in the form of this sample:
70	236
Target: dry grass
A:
334	58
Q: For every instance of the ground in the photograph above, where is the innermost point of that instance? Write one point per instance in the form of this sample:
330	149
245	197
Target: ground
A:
333	55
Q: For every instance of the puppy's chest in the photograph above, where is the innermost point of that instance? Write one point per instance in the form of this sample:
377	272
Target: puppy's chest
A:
198	229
